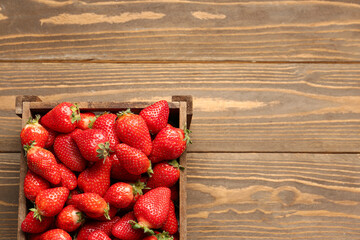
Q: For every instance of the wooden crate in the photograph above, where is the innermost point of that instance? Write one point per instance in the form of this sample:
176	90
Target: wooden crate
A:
180	116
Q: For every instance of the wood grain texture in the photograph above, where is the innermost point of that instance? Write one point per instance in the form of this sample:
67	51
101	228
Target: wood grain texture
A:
180	30
9	188
237	107
273	196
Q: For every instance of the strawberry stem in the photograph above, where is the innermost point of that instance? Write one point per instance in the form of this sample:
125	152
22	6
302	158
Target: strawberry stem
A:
175	164
81	217
34	120
106	212
150	171
28	147
103	150
36	214
187	137
123	113
164	236
75	116
136	225
138	187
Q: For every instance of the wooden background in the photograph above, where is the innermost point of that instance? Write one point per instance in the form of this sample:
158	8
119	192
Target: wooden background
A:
276	87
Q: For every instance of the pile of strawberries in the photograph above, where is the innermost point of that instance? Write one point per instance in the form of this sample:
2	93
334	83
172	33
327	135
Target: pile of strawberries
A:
110	176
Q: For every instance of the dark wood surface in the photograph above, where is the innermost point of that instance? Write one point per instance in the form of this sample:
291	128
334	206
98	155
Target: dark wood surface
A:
276	88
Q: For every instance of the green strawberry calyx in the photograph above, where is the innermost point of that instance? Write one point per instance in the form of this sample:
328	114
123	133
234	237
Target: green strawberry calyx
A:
164	236
28	147
81	217
75	115
138	187
103	150
175	164
37	215
187	136
124	113
34	120
106	212
150	171
136	225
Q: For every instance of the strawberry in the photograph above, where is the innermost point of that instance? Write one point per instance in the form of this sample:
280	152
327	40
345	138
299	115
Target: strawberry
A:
138	189
33	185
74	192
123	229
34	225
68	178
86	119
165	174
119	172
68	153
62	118
106	122
169	144
34	132
96	179
50	202
133	159
43	163
171	225
152	209
159	236
92	204
93	144
98	235
55	234
93	226
156	116
69	219
51	138
119	195
132	130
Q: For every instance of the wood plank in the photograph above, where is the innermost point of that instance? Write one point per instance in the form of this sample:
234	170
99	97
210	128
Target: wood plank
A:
273	196
9	187
237	107
180	30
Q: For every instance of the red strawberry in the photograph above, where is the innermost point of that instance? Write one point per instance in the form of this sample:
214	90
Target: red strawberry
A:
106	122
123	229
119	172
132	130
90	227
156	116
86	120
165	174
67	151
119	195
133	160
33	185
171	225
138	189
74	192
33	225
159	236
92	204
43	163
93	144
33	131
55	234
152	209
98	235
62	118
112	212
96	179
169	144
50	202
69	219
51	138
68	178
